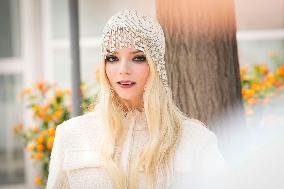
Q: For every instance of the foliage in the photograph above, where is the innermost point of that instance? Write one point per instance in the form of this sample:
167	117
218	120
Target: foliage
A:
49	106
262	85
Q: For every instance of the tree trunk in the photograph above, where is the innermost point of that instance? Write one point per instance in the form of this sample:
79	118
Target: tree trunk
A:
202	60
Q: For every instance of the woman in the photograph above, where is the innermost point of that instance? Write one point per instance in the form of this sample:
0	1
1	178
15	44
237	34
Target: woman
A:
135	137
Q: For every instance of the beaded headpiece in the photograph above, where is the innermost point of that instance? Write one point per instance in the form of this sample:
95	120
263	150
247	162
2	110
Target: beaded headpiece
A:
132	29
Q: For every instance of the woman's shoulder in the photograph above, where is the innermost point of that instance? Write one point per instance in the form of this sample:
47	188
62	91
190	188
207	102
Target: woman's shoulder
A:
193	128
90	118
77	130
195	134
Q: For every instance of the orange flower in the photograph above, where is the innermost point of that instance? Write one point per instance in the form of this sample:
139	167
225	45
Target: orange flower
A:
44	133
244	92
38	180
40	140
57	114
49	118
270	79
30	147
59	93
45	108
42	87
280	71
40	148
51	131
37	156
41	111
256	87
247	93
277	83
50	142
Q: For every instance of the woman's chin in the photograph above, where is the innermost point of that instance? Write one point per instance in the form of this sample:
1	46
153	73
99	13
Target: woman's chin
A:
128	96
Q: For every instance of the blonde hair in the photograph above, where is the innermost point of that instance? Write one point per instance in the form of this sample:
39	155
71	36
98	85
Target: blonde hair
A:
164	121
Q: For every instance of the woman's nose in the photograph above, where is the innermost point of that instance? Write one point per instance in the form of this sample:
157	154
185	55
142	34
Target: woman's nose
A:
124	67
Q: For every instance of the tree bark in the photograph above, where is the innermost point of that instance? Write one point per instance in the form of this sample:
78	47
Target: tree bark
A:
202	60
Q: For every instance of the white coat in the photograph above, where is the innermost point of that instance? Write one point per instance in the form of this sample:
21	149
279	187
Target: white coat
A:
75	161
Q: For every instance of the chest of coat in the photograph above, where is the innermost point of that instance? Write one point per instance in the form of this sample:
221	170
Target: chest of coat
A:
85	170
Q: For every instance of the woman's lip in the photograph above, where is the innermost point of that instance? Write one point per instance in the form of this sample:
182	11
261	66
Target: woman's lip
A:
125	86
126	82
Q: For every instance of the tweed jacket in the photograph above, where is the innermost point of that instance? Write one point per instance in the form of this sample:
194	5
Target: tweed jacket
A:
75	162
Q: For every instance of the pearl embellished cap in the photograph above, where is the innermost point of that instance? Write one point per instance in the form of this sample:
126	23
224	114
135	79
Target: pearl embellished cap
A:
132	29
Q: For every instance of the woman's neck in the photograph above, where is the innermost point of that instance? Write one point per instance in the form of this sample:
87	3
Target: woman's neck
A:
132	104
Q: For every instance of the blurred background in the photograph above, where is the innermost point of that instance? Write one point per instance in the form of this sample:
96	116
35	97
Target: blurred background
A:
34	46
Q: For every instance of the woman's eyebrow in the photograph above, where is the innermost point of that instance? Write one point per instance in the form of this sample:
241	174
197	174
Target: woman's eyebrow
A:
134	52
109	52
138	51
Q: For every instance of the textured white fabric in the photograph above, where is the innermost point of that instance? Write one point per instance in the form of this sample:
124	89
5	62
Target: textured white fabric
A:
75	161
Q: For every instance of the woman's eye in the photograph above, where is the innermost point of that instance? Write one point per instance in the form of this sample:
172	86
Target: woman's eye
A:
141	58
111	58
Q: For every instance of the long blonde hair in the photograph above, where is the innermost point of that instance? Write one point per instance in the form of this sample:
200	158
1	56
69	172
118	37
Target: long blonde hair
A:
164	121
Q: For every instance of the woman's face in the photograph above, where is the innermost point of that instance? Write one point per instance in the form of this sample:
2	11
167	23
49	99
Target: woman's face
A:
127	70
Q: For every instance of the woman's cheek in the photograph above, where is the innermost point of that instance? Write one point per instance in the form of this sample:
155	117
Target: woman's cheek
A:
110	72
